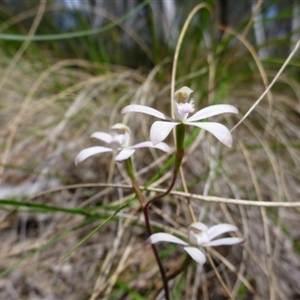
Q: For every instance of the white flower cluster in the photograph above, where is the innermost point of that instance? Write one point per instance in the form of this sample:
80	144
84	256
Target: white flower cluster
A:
199	235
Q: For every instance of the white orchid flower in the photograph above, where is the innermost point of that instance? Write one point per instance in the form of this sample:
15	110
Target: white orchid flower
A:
182	108
199	235
119	140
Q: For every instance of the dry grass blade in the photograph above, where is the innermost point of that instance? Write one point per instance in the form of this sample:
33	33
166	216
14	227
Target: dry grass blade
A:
5	76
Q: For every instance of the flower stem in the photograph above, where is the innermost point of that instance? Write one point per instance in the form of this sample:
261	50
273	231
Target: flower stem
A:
158	261
180	133
135	186
144	206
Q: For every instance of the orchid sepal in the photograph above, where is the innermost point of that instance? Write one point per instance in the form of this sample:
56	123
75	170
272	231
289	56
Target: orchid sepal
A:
86	153
212	110
145	110
218	130
160	130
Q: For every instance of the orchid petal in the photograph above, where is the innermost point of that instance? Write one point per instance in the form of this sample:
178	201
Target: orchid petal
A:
84	154
165	237
218	130
120	140
149	144
145	110
196	255
226	241
212	110
163	146
200	239
183	94
124	154
197	234
198	226
102	136
160	130
121	126
219	229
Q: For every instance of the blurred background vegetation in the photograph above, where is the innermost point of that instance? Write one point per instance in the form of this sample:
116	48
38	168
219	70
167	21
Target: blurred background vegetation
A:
142	33
67	69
